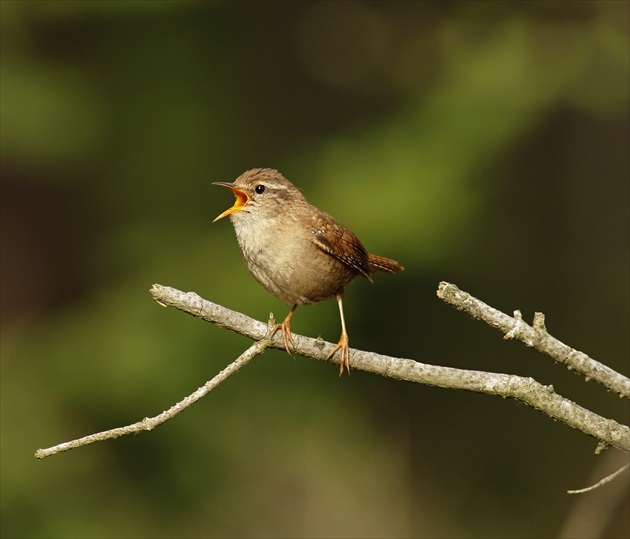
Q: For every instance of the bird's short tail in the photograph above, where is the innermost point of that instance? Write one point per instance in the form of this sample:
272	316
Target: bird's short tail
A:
380	263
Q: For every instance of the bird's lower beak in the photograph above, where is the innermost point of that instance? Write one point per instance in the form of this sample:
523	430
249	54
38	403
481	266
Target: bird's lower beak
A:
241	199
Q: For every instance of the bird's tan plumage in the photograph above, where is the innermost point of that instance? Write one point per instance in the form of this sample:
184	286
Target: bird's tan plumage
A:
299	253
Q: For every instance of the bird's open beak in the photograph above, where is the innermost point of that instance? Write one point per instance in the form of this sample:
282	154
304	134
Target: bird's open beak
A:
241	199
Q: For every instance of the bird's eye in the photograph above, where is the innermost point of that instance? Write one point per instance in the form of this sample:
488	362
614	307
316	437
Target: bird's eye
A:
260	189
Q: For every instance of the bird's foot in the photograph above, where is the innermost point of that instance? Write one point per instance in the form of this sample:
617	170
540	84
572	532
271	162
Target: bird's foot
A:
287	336
344	359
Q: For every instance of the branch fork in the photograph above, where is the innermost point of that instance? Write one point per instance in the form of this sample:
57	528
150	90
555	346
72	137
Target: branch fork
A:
527	390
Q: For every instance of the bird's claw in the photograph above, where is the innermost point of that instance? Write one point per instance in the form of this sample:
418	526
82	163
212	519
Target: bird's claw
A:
287	336
344	359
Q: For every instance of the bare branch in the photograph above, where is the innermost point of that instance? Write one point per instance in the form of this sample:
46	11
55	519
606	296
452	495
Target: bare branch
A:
606	479
526	390
149	423
536	337
590	516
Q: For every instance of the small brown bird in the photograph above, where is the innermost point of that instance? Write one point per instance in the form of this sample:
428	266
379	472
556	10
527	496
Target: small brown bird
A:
296	251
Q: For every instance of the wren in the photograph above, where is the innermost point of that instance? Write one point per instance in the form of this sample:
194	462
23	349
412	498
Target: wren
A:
297	252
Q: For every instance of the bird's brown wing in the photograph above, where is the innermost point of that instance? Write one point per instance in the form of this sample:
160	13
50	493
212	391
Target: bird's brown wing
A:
336	240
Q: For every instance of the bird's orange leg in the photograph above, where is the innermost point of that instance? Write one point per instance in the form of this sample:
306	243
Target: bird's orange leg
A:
344	360
286	330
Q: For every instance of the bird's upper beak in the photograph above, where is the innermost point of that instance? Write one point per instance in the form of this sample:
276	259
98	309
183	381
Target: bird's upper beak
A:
242	198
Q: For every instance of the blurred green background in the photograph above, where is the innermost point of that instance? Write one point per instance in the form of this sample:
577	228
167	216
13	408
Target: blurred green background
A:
482	143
